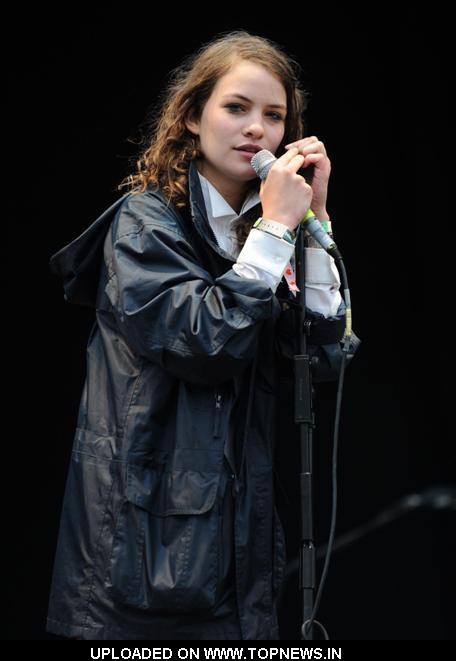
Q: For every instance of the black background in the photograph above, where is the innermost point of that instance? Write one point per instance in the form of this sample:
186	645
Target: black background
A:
81	84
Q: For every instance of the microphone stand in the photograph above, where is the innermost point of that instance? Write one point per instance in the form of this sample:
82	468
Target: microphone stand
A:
304	416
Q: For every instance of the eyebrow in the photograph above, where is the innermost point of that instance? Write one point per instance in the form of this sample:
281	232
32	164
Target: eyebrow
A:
244	98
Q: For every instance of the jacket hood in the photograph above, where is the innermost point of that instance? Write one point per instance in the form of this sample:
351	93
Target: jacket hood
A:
78	263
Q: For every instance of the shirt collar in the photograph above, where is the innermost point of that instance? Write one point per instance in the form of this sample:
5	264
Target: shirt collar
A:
218	207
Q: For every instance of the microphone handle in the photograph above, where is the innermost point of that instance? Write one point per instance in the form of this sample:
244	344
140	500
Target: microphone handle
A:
313	226
315	229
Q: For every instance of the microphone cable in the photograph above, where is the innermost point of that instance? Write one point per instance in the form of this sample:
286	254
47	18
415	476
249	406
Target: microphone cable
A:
306	626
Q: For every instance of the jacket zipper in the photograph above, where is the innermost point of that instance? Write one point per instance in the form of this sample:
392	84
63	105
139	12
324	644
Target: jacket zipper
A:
235	485
218	410
218	413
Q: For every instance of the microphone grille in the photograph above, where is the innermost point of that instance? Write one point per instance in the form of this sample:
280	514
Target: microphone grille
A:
262	162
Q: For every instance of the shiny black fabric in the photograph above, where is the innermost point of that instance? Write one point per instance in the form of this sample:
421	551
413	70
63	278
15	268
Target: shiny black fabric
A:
169	527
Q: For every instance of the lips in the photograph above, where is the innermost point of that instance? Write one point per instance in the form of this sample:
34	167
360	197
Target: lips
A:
253	149
247	155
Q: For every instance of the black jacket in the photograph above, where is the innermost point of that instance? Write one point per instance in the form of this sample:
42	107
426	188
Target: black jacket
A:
177	410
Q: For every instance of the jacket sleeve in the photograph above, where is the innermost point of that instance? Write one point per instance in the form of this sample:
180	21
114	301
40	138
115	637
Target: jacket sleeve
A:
171	310
324	339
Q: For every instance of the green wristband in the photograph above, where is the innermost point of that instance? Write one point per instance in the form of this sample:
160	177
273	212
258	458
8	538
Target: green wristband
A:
326	224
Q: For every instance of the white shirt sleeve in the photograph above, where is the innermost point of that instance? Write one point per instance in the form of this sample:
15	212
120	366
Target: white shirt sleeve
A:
265	257
322	282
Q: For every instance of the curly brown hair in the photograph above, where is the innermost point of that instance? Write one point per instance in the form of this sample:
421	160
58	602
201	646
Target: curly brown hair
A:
169	146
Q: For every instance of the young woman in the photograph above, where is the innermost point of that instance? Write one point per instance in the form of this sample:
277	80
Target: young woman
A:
169	527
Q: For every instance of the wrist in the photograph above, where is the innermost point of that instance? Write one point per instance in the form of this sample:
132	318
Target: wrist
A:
278	218
321	214
276	228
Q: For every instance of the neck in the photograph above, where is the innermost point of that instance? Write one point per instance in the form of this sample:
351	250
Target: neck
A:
233	192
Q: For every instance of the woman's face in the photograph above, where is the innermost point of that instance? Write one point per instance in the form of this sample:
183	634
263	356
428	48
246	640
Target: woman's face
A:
227	122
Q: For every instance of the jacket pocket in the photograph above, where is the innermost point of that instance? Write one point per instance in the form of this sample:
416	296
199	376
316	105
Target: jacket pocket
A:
165	555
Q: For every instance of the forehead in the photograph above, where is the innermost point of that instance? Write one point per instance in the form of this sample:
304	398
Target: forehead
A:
252	81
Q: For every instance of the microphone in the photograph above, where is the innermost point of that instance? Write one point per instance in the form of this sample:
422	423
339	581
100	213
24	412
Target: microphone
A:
262	162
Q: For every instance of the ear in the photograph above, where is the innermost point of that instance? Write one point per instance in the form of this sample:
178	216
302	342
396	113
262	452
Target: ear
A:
191	123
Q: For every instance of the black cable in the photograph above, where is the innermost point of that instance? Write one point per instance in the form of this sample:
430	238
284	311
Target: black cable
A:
346	340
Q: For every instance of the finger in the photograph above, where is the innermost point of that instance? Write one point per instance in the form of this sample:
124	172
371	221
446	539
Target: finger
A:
313	148
314	158
295	163
301	143
288	156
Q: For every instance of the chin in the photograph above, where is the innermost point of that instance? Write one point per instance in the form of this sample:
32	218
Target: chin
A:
246	171
244	178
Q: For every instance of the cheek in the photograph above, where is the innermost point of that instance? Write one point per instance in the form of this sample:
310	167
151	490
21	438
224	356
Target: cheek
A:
224	126
276	137
217	129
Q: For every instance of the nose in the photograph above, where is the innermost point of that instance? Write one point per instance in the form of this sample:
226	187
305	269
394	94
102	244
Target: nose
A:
254	128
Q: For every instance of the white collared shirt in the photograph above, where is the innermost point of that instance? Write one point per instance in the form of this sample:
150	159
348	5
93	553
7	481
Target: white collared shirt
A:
265	257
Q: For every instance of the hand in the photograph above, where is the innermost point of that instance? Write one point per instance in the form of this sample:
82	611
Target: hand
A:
314	151
285	196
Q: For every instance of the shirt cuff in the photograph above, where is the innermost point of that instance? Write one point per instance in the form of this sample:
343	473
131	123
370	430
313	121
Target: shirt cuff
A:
322	282
265	252
254	273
